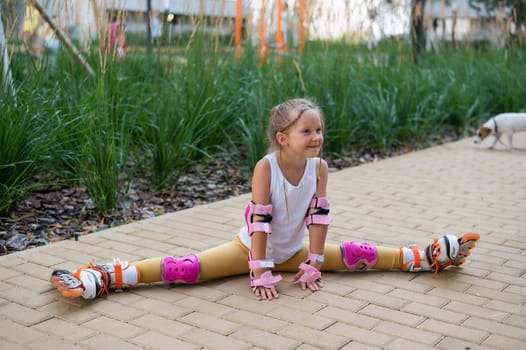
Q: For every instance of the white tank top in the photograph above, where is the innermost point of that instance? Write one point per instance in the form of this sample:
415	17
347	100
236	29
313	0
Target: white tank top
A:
288	226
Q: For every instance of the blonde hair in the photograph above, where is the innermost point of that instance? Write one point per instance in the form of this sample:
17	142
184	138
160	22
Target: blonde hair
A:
286	114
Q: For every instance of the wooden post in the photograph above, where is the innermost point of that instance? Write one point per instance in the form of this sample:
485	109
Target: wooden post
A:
237	32
280	47
64	38
262	42
149	24
301	28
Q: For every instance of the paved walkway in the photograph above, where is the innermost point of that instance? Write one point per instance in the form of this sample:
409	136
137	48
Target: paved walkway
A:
447	189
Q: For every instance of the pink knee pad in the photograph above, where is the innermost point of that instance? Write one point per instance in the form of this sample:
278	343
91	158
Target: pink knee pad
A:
185	269
359	255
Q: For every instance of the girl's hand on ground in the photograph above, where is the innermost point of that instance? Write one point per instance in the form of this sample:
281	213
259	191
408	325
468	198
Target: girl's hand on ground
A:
313	286
263	293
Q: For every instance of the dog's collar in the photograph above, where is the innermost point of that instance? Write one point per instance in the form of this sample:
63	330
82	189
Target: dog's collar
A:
496	126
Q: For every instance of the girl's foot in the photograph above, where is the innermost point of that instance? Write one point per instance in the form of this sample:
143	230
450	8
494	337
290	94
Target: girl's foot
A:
95	280
441	253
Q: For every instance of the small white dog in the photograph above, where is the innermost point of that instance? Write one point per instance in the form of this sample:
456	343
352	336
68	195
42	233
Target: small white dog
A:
505	123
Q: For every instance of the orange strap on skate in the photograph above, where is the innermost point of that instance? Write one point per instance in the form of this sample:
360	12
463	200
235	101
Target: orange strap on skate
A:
118	273
416	254
433	251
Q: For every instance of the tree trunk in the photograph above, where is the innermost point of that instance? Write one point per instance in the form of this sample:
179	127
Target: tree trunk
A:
418	33
149	24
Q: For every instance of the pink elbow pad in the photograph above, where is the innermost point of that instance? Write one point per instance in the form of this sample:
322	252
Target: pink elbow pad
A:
321	214
261	210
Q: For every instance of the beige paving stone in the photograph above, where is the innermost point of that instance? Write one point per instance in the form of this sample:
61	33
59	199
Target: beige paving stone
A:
211	340
408	333
378	298
114	310
435	313
153	340
205	291
349	333
384	313
307	347
264	339
354	345
64	329
205	306
502	342
27	297
506	278
69	312
53	342
254	320
449	343
363	281
496	328
301	318
477	311
403	280
403	344
417	297
516	320
455	331
333	284
13	332
161	325
306	304
459	296
33	269
118	329
210	323
160	308
249	303
337	301
158	291
349	317
480	282
5	344
23	315
8	273
104	341
43	257
491	293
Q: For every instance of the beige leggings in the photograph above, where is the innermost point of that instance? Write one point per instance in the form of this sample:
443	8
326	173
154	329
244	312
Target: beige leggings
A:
230	259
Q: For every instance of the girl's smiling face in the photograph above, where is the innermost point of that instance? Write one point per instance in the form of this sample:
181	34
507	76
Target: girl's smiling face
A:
305	136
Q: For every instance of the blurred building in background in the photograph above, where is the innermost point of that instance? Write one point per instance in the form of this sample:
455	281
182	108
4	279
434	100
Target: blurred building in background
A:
353	20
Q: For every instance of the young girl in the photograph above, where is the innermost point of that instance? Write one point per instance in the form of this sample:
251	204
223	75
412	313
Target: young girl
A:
289	189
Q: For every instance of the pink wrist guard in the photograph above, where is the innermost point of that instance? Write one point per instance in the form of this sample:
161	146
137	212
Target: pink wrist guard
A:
266	279
310	273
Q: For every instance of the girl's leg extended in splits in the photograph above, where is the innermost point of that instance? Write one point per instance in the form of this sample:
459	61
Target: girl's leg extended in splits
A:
96	280
387	258
443	252
358	256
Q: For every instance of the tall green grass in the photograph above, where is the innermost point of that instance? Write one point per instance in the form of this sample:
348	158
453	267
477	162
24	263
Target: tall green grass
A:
153	116
25	146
